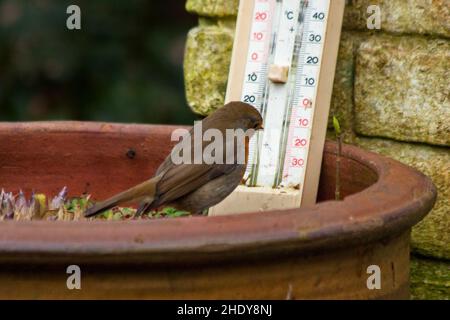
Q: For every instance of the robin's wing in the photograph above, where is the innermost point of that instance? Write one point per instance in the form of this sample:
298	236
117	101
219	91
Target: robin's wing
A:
164	166
229	153
180	180
183	179
206	124
167	163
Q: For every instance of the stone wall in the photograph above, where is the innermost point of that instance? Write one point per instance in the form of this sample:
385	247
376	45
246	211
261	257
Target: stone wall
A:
391	94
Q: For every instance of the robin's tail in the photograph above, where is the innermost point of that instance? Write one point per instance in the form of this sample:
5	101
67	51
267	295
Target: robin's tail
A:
145	190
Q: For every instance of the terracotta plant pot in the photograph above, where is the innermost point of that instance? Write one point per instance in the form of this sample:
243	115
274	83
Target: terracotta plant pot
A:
322	251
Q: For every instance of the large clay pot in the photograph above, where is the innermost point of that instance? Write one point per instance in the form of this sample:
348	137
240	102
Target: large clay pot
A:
322	251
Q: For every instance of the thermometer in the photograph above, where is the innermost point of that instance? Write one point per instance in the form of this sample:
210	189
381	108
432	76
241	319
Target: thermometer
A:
283	63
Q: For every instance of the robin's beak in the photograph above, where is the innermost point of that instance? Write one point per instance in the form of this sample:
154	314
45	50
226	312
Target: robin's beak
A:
260	127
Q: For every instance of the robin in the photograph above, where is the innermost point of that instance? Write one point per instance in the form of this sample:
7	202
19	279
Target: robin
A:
191	186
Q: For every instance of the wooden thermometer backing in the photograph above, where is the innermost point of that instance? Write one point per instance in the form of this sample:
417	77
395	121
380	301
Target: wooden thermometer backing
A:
283	63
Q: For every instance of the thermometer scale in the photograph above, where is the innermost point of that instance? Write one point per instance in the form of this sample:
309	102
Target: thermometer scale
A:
283	63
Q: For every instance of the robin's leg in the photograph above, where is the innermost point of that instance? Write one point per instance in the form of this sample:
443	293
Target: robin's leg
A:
144	207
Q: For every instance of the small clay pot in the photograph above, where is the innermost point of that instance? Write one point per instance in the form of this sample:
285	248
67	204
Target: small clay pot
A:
324	251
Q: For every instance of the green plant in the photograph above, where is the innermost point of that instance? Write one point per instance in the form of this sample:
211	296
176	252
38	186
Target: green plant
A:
61	208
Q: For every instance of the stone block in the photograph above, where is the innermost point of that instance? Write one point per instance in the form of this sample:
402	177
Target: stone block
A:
430	279
402	16
213	8
206	65
402	89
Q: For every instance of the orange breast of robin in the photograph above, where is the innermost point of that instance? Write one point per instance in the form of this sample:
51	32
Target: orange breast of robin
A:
247	143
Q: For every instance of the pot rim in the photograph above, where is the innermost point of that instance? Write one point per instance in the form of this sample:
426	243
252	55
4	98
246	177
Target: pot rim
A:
400	198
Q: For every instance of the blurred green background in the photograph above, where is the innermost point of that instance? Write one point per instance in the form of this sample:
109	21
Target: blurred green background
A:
124	65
